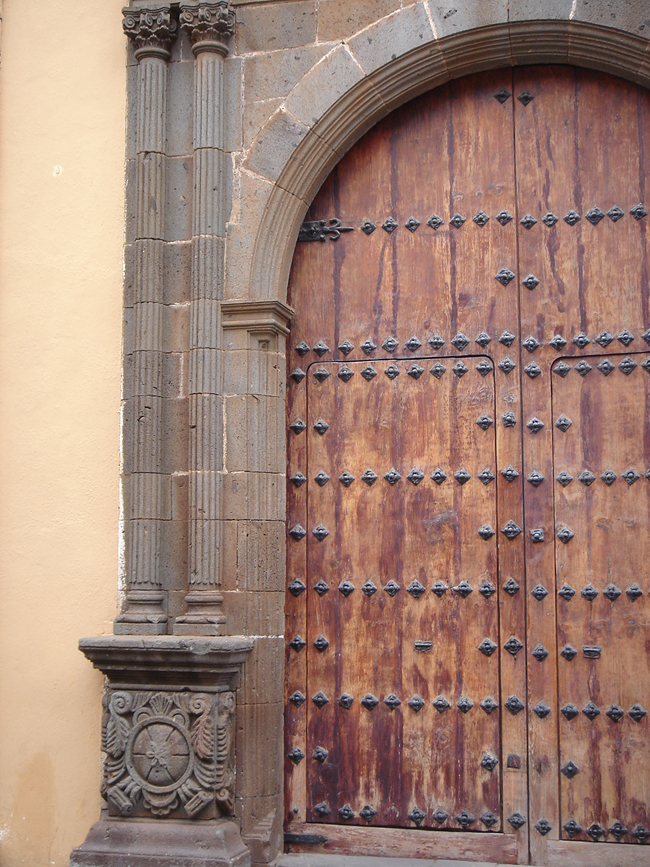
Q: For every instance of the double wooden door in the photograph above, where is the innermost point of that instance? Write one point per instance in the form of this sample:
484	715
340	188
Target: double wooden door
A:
468	483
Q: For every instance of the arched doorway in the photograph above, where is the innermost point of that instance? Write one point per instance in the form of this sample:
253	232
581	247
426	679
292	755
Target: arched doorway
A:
467	427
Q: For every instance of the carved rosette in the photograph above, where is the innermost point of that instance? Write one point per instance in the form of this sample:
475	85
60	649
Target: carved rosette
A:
208	25
150	30
168	754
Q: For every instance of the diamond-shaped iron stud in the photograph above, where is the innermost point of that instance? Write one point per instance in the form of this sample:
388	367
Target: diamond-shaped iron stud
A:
392	371
487	647
594	215
567	593
605	367
435	222
417	816
457	221
506	365
436	342
389	225
489	705
369	477
392	701
569	711
514	705
346	479
392	588
568	652
557	342
513	645
503	217
369	701
615	713
320	699
416	589
441	704
504	276
368	346
581	340
511	530
571	217
540	653
297	643
368	227
412	224
511	587
549	219
346	701
485	532
480	218
368	813
528	221
416	703
392	476
464	704
438	369
563	423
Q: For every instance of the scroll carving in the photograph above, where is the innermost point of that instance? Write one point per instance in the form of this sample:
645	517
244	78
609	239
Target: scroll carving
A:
169	754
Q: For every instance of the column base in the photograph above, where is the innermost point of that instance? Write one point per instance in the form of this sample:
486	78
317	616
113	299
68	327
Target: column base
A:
155	843
144	614
203	615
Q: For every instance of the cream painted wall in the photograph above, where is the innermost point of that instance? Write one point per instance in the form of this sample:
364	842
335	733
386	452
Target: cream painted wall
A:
62	104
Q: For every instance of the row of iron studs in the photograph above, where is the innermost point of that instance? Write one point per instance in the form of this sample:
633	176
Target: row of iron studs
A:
461	341
594	216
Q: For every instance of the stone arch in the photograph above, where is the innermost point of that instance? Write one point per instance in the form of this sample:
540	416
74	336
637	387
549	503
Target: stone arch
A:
390	63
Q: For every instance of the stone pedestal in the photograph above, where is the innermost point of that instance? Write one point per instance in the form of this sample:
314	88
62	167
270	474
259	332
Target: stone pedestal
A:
168	735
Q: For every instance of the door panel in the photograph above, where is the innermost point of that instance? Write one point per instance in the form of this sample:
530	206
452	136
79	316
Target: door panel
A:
405	595
498	221
603	499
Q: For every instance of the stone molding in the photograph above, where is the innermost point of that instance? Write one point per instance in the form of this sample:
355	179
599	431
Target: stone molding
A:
151	30
257	316
208	25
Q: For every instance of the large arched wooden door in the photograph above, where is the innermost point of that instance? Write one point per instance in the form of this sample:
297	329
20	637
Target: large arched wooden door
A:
468	498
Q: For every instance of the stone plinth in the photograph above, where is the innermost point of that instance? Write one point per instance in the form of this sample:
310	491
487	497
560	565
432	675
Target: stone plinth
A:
168	734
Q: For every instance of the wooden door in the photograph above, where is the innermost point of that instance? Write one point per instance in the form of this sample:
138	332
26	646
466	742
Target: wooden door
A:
467	438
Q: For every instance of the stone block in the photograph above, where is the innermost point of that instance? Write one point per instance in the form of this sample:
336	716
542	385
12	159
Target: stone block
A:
275	73
275	145
261	555
233	98
254	434
397	34
540	11
256	115
180	489
177	266
174	435
456	17
143	843
141	433
129	186
329	80
254	496
147	495
263	677
206	432
173	558
180	108
207	265
178	196
254	613
270	26
205	496
628	16
339	19
308	167
176	327
204	376
259	748
132	83
229	555
250	371
263	827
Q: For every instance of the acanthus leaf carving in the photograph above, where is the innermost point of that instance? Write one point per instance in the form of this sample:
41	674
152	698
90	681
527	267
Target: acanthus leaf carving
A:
208	22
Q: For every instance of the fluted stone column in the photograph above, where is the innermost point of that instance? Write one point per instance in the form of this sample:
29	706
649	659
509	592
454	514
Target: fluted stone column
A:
209	26
151	30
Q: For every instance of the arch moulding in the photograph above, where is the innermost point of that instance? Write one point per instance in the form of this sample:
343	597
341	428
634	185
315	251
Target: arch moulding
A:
384	66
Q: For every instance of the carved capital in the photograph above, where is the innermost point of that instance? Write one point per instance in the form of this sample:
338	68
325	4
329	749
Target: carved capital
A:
209	25
151	31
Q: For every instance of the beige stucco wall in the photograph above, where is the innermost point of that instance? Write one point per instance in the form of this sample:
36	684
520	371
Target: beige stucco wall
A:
61	104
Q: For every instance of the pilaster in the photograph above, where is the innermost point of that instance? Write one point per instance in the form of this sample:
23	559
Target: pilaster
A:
151	30
209	27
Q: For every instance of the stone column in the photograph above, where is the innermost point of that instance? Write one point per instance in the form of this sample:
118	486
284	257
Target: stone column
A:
151	30
209	26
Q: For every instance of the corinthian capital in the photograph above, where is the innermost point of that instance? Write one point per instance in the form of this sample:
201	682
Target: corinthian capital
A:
209	25
151	31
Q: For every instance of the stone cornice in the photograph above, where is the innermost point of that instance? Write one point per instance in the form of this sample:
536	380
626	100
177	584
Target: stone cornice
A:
208	25
206	662
151	30
254	316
